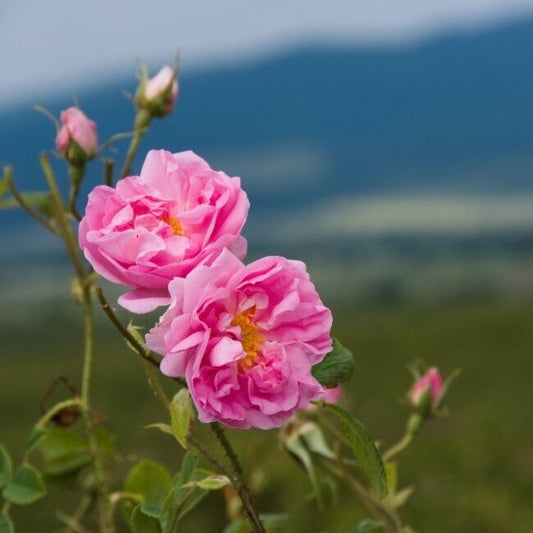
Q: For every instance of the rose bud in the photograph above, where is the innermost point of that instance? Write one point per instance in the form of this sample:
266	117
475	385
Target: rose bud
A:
333	395
158	94
76	139
427	392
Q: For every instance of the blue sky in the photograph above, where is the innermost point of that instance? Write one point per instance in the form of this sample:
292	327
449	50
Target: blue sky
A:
72	43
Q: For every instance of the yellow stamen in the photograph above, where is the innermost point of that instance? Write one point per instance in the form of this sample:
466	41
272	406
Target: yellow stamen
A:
251	340
174	223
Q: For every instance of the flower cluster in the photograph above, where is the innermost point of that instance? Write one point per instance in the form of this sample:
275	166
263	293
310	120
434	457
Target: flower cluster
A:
245	337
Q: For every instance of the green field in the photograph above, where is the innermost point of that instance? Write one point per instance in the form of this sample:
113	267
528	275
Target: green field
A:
473	470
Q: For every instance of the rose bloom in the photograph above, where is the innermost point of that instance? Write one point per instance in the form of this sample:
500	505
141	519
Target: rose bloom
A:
77	127
430	383
245	338
157	226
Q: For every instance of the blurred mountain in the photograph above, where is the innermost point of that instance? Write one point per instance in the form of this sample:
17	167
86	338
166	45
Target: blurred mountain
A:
433	137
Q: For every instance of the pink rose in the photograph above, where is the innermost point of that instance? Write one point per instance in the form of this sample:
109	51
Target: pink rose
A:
76	139
158	94
429	387
157	226
245	338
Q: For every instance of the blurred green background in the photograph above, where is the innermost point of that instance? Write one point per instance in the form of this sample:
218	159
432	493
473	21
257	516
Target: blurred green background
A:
472	470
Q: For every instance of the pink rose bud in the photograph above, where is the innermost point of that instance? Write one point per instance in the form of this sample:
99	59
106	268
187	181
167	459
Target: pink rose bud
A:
76	139
333	395
158	94
428	390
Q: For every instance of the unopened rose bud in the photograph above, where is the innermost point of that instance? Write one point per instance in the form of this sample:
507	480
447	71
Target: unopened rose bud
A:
76	139
427	392
158	94
333	395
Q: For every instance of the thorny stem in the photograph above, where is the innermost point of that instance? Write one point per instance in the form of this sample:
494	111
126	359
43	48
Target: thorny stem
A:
76	173
65	229
195	444
139	348
155	384
142	121
8	174
108	172
240	482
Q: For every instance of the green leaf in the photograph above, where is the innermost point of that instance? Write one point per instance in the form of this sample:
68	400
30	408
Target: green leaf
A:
38	200
151	509
6	526
6	467
182	498
143	523
364	449
337	366
26	486
367	525
64	452
181	415
213	482
165	428
151	481
314	440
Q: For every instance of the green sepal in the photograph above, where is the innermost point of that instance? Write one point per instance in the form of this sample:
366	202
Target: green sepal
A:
337	366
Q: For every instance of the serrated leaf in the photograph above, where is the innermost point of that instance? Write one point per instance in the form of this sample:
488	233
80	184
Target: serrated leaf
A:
165	428
143	523
6	526
6	467
26	486
337	366
38	200
181	415
364	449
367	525
213	482
63	451
151	481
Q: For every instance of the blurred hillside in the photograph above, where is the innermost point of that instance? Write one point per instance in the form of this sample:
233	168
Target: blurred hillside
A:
407	172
